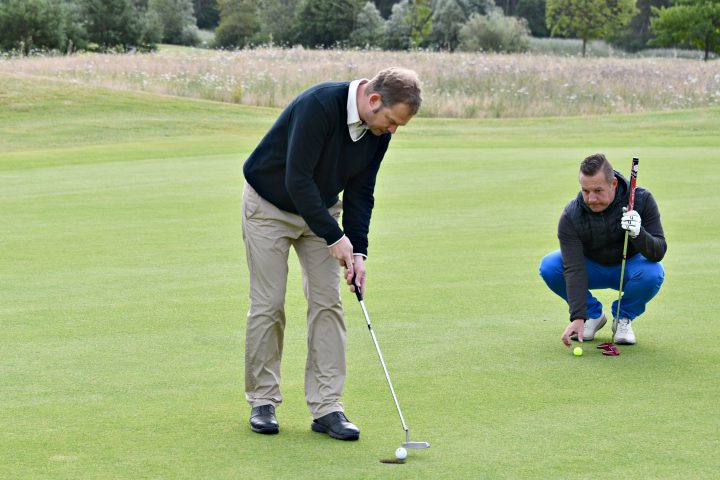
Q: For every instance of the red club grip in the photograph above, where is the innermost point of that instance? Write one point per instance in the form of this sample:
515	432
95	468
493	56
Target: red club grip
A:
633	181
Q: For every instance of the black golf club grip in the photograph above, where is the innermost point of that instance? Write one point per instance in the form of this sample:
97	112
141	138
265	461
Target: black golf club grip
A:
358	293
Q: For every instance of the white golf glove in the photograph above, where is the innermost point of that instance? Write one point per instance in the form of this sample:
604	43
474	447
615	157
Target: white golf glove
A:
630	221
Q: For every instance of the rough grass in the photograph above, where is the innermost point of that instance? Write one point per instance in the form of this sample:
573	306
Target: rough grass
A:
464	85
600	48
124	291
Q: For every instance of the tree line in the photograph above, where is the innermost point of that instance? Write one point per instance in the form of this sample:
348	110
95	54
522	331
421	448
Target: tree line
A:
469	25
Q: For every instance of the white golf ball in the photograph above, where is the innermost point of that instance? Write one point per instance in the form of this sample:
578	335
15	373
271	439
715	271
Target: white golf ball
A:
401	453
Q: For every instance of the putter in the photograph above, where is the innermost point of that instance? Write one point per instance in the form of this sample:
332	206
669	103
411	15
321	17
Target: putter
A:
407	443
609	349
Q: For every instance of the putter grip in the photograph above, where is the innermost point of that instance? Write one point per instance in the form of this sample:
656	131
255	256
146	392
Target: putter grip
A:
358	293
633	181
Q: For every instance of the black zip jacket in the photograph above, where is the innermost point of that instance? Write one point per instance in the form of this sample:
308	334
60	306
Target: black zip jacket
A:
599	237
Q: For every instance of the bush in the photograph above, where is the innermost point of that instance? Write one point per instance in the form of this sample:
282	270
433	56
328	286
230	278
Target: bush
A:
276	20
494	32
446	23
397	31
117	25
326	23
369	29
177	21
238	24
27	25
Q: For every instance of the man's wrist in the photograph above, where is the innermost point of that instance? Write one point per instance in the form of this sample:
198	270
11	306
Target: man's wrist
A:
335	243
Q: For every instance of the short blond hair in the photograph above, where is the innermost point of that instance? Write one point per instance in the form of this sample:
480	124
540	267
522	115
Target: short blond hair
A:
397	85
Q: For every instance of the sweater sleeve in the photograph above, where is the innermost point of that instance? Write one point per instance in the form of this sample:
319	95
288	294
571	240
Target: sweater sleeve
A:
309	127
358	201
651	239
573	258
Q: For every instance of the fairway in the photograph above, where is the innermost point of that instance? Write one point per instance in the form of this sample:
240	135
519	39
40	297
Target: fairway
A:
123	293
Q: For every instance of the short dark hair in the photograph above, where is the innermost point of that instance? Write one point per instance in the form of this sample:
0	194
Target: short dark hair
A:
597	163
397	85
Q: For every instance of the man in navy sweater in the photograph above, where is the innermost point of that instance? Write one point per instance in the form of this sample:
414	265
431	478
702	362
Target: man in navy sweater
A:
318	147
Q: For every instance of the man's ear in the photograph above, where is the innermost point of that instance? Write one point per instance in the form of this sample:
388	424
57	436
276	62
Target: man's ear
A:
375	102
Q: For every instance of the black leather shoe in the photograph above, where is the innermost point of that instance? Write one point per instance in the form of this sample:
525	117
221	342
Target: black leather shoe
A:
262	420
337	426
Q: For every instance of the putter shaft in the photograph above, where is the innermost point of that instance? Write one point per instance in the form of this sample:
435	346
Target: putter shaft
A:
407	443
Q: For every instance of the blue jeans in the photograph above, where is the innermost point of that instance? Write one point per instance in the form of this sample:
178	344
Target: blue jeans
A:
641	283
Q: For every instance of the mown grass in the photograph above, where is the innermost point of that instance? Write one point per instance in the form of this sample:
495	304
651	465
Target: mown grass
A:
124	290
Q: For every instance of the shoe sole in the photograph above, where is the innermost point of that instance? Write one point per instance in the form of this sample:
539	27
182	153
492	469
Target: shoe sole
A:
316	427
265	431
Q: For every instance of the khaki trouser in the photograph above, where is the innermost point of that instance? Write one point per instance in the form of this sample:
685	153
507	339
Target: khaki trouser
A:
269	232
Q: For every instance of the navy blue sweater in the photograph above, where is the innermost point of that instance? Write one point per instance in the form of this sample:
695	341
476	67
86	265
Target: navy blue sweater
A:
307	158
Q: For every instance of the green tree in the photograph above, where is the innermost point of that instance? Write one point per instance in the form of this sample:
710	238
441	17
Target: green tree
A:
177	18
694	22
369	27
397	30
476	6
637	34
327	23
494	32
27	25
534	12
113	24
276	20
419	18
588	19
509	7
447	20
238	23
207	13
385	7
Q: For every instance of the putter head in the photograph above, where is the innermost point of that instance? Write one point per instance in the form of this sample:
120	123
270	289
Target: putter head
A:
609	349
416	445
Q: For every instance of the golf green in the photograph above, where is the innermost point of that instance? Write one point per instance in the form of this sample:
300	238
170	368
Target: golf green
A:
123	293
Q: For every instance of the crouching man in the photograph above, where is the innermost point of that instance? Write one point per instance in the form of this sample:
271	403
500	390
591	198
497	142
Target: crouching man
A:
592	232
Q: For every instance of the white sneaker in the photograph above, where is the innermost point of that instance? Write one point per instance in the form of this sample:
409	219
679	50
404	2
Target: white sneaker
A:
592	325
624	334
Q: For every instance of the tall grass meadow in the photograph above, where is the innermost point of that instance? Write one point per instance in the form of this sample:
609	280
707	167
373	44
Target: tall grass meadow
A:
600	48
464	85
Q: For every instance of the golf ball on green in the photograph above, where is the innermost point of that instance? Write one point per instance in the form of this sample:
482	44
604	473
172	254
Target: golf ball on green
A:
577	351
401	453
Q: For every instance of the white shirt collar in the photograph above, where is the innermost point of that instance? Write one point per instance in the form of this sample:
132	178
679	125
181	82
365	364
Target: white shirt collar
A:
355	126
